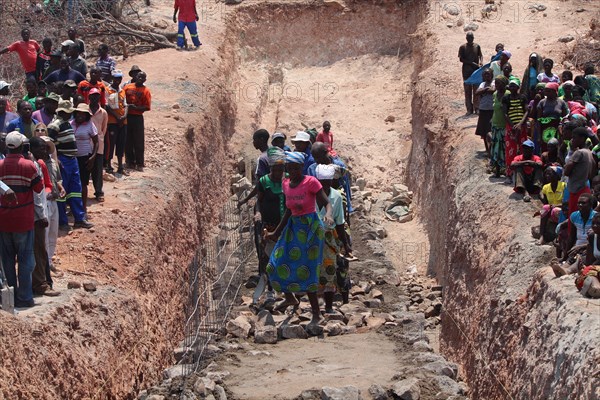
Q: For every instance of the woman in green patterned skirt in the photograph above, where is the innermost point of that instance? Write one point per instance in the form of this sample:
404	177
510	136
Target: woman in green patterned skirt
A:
296	259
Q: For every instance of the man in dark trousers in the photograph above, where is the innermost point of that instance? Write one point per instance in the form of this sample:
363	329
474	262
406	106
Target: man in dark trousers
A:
471	58
139	101
17	218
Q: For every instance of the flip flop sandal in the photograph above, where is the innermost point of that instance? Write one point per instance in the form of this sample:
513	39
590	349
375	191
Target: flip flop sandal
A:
527	199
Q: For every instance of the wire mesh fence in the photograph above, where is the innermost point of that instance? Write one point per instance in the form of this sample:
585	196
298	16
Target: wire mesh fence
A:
216	275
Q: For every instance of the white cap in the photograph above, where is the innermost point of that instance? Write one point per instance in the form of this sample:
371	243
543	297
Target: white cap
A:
14	140
67	43
301	136
4	84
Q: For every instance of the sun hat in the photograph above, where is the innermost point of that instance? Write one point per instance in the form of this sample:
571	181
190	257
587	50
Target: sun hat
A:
301	136
52	96
84	108
134	68
65	106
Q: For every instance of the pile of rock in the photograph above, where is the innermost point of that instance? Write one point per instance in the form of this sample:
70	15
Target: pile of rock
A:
206	384
398	207
395	200
434	372
359	315
239	184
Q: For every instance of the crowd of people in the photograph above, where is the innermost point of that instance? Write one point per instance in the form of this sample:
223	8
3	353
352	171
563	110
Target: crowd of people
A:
67	127
302	222
541	133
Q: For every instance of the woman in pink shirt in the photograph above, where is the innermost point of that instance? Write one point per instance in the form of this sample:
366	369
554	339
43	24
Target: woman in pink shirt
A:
297	256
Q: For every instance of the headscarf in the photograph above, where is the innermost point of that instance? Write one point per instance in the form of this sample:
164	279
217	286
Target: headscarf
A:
275	155
569	83
552	86
593	90
541	85
294	157
325	171
515	80
553	141
507	53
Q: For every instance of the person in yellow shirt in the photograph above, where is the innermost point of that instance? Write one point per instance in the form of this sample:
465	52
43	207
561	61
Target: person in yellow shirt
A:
552	197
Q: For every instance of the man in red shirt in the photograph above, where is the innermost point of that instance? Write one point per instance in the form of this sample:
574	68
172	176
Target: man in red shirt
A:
187	18
16	218
527	168
138	98
326	136
27	50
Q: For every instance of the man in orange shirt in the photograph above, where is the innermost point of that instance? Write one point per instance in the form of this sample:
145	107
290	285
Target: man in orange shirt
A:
138	98
27	50
187	18
95	82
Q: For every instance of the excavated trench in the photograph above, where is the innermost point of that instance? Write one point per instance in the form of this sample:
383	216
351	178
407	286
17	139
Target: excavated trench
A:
515	333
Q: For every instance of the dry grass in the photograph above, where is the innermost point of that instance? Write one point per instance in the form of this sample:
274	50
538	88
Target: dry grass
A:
587	49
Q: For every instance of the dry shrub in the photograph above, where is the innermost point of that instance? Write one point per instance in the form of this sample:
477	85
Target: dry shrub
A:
53	22
587	48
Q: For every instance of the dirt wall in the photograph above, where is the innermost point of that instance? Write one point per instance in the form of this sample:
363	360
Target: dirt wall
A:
516	331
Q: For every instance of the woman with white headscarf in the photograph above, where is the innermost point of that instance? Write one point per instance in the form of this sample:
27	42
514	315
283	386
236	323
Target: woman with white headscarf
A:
335	236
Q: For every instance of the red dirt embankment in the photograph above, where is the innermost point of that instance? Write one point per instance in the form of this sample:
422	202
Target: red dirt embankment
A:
518	332
110	343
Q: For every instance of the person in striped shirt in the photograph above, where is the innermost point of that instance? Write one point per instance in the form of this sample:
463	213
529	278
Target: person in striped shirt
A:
515	112
17	218
61	133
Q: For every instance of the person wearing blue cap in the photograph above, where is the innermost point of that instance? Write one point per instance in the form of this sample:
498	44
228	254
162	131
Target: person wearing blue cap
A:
527	169
116	106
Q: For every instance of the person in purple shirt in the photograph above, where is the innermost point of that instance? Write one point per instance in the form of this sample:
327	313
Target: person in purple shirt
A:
47	113
65	73
5	116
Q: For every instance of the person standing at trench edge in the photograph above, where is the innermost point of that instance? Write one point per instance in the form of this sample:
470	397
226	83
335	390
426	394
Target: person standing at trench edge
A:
138	97
187	18
470	56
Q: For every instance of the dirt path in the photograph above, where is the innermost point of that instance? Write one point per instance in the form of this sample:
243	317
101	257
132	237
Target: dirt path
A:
288	368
